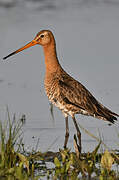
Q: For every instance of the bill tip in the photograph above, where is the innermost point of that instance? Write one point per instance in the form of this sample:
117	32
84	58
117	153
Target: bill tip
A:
3	58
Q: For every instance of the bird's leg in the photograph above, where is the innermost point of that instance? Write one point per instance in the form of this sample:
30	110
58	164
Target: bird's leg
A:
67	132
78	132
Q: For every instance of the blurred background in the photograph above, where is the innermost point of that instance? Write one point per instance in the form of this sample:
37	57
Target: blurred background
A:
87	38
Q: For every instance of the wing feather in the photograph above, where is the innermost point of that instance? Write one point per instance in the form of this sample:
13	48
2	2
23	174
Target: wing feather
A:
76	94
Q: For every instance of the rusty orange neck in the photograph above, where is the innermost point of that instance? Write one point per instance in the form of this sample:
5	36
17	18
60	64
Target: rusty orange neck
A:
51	60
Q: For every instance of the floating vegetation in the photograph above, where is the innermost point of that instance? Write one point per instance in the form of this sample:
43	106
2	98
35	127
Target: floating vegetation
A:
16	163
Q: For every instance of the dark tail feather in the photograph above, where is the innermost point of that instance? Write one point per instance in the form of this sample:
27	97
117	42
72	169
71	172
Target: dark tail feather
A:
112	119
107	114
110	112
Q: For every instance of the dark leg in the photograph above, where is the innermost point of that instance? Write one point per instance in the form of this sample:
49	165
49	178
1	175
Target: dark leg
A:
78	132
67	132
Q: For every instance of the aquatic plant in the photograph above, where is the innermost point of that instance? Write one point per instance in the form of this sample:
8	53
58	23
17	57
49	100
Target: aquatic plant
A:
16	163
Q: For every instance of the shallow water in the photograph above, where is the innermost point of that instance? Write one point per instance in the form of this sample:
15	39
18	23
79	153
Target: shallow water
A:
87	43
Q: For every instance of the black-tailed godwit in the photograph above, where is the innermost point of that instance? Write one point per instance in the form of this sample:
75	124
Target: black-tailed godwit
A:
69	95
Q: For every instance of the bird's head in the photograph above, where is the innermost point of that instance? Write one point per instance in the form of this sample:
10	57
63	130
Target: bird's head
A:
43	38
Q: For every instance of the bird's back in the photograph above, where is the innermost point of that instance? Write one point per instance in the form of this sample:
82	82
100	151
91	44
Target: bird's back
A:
73	98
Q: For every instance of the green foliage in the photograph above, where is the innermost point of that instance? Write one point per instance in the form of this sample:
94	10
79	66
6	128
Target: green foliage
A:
107	160
13	164
90	165
17	164
71	166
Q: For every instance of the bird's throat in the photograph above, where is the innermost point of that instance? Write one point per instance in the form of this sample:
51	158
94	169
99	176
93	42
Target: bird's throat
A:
51	60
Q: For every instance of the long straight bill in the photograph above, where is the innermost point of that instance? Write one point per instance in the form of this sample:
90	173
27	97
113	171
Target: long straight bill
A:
32	43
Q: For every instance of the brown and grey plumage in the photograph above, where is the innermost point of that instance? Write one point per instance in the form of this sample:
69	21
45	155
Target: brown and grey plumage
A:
70	96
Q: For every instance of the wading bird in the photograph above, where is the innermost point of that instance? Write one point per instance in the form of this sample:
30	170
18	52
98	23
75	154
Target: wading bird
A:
69	95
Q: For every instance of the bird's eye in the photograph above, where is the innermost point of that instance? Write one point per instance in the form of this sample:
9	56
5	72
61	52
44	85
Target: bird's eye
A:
42	36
